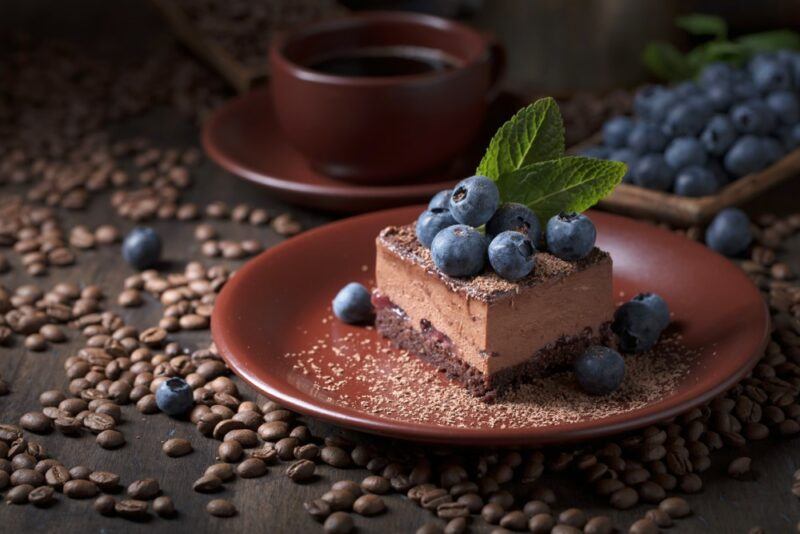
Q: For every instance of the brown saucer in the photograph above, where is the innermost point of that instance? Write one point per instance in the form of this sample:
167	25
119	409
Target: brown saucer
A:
278	305
243	137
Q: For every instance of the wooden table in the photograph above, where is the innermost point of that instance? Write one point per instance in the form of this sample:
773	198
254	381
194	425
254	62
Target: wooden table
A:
272	503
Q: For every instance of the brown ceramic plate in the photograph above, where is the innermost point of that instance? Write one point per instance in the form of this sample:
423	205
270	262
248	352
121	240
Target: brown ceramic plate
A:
278	304
243	137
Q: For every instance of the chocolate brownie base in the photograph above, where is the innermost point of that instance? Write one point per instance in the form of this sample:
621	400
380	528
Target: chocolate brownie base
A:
433	347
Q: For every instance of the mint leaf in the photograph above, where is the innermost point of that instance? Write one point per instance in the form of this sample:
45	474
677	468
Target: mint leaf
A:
666	62
704	25
533	134
770	41
573	183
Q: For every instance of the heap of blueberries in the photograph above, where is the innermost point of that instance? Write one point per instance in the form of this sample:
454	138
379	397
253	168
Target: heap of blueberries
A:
697	136
512	232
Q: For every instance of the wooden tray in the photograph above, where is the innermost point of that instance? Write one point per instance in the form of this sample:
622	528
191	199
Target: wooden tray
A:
637	201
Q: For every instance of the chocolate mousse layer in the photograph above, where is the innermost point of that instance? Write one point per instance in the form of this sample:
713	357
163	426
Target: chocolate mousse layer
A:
493	324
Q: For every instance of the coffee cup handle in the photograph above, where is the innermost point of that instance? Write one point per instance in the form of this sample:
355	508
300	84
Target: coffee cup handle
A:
497	60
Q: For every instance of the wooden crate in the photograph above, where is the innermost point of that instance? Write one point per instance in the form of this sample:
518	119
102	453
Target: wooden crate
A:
636	201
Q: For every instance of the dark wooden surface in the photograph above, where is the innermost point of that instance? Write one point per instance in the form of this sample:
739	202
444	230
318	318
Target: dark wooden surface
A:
272	503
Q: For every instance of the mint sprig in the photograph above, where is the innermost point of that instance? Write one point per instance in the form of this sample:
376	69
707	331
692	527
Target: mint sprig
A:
526	159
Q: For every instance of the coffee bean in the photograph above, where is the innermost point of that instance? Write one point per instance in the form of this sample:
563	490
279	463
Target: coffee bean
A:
308	451
347	485
207	484
110	439
740	467
318	509
36	422
651	492
251	468
432	498
105	480
224	472
376	484
643	526
35	342
492	513
266	454
338	523
565	529
69	426
335	457
144	489
131	509
600	524
104	505
659	517
80	472
516	520
246	437
624	498
369	505
541	523
573	516
25	476
99	422
301	471
56	476
164	507
80	489
42	496
221	508
339	499
676	507
691	483
176	447
19	494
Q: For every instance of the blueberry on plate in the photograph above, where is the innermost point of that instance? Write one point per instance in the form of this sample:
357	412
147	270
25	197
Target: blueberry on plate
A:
637	326
718	135
684	152
684	119
174	396
745	156
512	255
729	232
441	200
753	117
646	137
474	200
431	222
570	236
517	217
616	130
141	248
657	305
770	74
695	181
352	304
652	172
599	370
785	105
459	250
721	96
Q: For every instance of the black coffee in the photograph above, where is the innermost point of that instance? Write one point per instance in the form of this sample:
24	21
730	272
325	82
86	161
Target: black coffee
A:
382	62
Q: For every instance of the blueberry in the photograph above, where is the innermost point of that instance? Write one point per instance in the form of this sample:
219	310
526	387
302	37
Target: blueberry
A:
570	236
686	89
718	135
745	156
459	250
773	150
616	130
658	306
684	119
514	216
431	222
721	96
652	172
729	233
511	255
174	396
659	104
685	151
790	136
770	74
441	200
646	137
352	304
695	181
599	370
599	152
637	326
715	73
785	105
142	248
753	116
474	200
645	98
628	156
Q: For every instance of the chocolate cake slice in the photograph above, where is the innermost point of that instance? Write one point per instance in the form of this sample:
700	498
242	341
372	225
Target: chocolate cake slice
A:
485	332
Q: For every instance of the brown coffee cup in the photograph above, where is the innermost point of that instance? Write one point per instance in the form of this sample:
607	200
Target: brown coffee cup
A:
386	128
